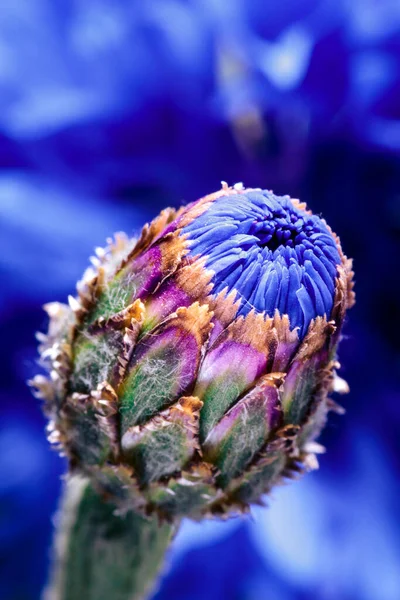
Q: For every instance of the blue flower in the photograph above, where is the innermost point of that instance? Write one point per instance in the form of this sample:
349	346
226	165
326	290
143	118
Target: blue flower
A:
273	252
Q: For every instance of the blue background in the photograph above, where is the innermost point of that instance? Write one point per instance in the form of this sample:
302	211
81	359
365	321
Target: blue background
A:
110	110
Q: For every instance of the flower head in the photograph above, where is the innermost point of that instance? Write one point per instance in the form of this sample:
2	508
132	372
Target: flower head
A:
272	252
193	370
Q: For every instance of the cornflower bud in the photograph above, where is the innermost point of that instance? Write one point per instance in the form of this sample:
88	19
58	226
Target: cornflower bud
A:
192	372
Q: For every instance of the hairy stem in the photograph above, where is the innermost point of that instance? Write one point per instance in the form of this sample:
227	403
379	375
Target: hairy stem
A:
102	556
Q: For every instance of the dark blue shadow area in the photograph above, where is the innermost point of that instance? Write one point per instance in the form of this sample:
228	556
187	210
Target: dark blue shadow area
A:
111	110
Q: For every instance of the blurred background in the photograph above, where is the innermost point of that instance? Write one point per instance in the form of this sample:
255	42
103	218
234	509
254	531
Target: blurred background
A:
113	109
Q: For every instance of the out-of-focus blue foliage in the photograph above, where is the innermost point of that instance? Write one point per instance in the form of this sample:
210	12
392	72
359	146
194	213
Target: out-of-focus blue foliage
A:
111	110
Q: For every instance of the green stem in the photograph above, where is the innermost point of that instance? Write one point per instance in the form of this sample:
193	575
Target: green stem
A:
102	556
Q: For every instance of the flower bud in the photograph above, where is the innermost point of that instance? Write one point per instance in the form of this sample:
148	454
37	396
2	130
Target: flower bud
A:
192	372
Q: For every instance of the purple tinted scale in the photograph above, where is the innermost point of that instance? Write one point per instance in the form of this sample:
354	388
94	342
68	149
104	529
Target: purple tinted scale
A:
273	254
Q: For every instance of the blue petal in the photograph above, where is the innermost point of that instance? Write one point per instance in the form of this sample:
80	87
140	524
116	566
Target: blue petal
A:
320	283
314	294
307	307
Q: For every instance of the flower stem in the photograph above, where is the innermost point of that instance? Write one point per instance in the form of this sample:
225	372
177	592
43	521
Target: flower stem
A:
100	555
